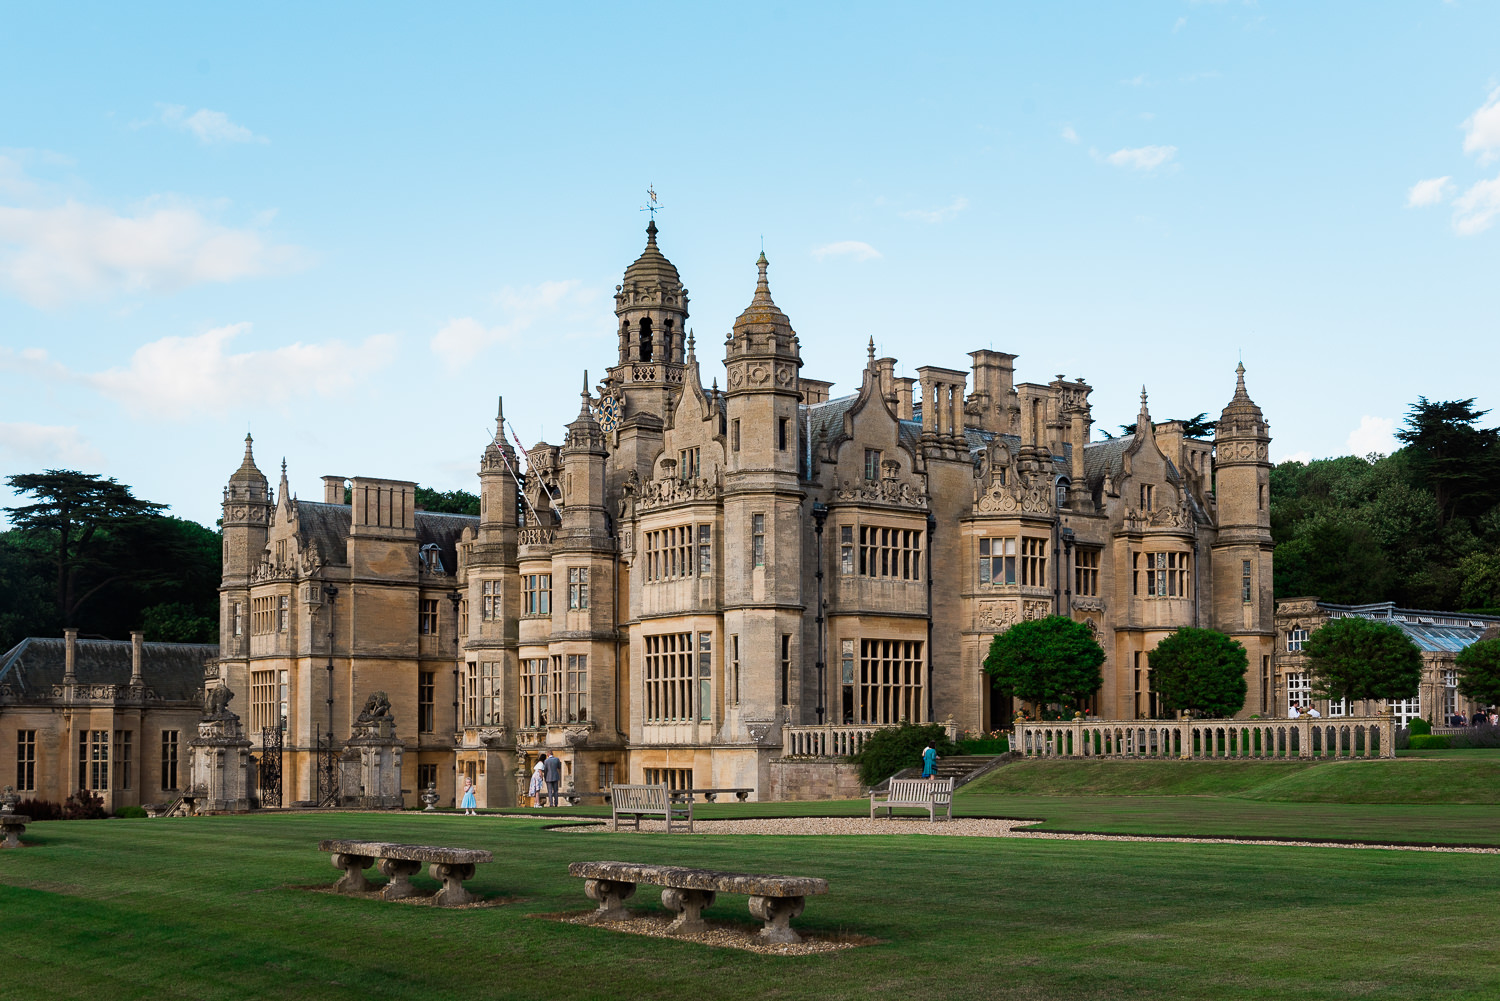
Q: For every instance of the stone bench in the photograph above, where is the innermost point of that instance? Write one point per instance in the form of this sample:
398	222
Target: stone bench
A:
931	795
710	795
451	866
647	801
12	826
773	899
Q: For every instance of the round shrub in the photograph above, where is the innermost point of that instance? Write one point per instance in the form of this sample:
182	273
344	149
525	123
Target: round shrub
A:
1428	742
1419	727
888	751
131	812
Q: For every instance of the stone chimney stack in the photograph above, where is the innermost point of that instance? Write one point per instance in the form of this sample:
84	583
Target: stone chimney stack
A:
333	490
994	381
137	643
886	369
904	409
70	656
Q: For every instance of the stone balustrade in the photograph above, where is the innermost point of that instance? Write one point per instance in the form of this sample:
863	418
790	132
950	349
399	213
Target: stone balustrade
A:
1305	737
836	740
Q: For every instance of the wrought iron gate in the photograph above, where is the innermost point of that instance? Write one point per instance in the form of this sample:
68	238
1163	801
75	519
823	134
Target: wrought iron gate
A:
328	770
270	767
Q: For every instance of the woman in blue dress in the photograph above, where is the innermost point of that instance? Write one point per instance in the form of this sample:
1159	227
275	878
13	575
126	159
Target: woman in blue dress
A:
929	760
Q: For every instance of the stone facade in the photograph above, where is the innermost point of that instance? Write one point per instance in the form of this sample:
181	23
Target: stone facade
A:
695	568
110	716
1439	635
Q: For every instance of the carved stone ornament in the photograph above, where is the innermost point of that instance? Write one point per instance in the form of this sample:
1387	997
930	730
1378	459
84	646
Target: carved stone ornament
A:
1171	517
667	491
1034	496
377	707
1036	610
997	616
1088	605
881	492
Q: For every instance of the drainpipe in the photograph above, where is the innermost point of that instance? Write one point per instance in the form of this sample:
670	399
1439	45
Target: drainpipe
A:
931	532
820	515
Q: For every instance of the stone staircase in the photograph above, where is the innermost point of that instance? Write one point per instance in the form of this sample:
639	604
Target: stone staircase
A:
961	768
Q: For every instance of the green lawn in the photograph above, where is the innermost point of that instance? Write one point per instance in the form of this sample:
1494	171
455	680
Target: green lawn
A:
1421	800
211	908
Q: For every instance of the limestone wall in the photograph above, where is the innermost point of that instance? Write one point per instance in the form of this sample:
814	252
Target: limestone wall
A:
793	779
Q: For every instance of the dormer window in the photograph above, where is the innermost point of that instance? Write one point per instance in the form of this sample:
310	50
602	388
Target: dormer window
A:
431	558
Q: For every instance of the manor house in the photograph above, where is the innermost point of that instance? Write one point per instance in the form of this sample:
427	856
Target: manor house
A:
699	585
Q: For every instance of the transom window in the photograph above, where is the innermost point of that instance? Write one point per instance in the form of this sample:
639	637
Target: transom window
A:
1020	560
890	681
491	712
536	594
1086	573
1295	637
669	553
846	550
669	677
1298	689
25	760
427	619
93	760
262	616
890	552
1161	575
578	587
1406	710
489	598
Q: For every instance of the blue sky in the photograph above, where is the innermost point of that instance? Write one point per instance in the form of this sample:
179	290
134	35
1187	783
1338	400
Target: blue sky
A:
350	229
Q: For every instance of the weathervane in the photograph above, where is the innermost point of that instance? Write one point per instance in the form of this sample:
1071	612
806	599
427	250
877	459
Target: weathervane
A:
653	207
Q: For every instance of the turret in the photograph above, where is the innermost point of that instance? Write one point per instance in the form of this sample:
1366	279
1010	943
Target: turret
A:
247	510
762	359
651	309
1242	551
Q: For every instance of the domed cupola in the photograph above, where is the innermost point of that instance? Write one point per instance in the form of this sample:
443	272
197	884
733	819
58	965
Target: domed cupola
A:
763	348
652	308
1242	424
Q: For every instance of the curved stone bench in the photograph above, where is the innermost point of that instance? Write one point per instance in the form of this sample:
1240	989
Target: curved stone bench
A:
400	862
776	900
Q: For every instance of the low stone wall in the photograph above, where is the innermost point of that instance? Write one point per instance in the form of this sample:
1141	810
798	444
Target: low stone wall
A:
803	779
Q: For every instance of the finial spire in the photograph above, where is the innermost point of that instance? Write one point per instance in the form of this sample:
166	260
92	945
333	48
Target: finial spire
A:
1239	380
870	350
762	285
1143	421
584	409
690	352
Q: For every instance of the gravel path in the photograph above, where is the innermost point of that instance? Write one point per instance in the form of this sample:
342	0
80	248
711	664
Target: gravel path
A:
972	827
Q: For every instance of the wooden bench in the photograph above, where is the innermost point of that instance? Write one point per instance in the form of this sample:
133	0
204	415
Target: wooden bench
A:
451	866
776	900
931	795
647	801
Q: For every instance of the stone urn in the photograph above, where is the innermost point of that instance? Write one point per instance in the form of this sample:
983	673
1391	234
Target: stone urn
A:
8	800
430	797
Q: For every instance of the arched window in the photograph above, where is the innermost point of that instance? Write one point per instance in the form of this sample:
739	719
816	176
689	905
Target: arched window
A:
648	349
1062	492
669	343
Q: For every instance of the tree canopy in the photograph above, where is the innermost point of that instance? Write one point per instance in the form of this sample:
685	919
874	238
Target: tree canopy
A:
1045	661
447	501
1479	671
88	553
1459	460
1201	671
1358	658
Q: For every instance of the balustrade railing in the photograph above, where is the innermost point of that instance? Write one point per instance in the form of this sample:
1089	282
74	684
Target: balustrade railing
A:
1305	737
836	740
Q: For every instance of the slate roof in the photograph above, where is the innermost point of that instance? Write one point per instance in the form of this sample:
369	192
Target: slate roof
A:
1109	454
1431	631
173	670
328	526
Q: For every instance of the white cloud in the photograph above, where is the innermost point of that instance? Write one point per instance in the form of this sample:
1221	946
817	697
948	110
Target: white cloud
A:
1475	210
462	339
1142	157
209	126
1374	434
936	215
49	256
857	249
1429	192
1069	135
1181	23
48	445
180	378
1303	456
1482	129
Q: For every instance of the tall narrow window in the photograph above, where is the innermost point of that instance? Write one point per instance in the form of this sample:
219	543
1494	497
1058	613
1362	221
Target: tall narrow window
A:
846	675
557	685
734	666
124	759
1245	581
578	688
781	434
705	550
169	745
283	613
758	540
688	467
786	669
705	676
93	760
262	699
237	617
463	620
427	619
426	701
489	601
734	435
1033	562
1086	573
25	760
533	692
471	693
846	549
648	349
1298	689
536	594
490	710
283	690
1148	495
872	463
578	587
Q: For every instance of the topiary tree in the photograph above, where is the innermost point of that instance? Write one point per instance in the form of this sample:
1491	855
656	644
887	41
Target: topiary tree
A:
1479	671
1046	660
1358	658
885	752
1201	671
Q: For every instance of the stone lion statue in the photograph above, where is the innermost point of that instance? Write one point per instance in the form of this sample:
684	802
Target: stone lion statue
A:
377	707
216	702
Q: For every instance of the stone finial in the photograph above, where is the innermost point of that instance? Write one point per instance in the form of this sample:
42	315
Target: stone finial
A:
870	352
584	410
762	284
651	233
1143	420
691	353
70	656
